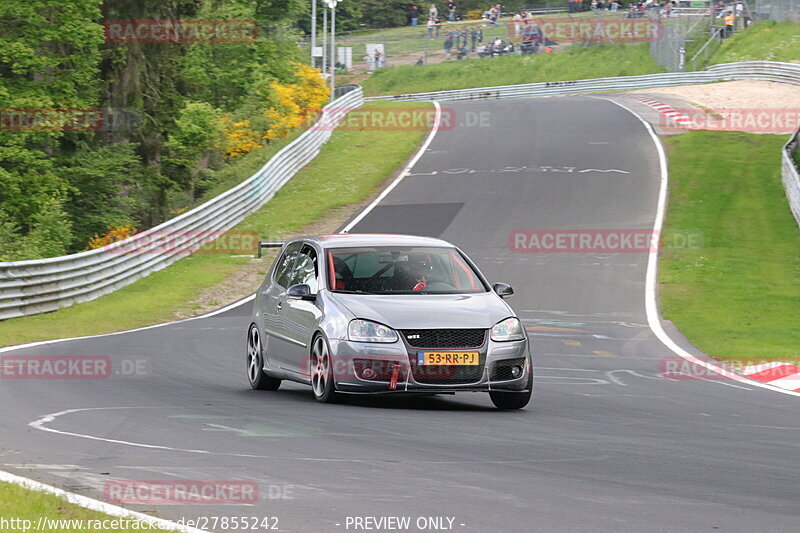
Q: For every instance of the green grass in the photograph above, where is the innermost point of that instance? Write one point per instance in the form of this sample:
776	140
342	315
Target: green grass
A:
737	297
23	504
764	41
347	170
576	63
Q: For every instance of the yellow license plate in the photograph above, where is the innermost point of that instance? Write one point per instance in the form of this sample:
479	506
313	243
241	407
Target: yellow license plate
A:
448	358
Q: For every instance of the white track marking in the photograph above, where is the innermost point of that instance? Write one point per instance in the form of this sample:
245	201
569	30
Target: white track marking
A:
40	424
405	172
651	282
95	505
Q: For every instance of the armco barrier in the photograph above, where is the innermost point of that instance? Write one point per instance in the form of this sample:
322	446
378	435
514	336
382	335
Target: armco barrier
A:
791	176
31	287
749	70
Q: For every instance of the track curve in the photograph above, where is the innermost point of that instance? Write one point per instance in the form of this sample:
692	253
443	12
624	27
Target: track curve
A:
606	444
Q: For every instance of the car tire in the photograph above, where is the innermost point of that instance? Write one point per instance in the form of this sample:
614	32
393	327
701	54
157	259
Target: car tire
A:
513	400
322	382
258	379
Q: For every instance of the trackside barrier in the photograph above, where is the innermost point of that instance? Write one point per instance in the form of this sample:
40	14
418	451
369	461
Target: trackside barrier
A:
748	70
38	286
790	175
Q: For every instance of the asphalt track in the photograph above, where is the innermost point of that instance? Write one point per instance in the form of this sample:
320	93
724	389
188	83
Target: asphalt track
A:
607	444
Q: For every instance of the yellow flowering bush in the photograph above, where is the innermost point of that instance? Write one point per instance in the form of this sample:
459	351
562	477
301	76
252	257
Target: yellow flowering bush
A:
240	138
114	234
290	105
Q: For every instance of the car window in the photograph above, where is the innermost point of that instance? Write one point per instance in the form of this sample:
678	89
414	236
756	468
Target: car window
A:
403	270
285	264
305	269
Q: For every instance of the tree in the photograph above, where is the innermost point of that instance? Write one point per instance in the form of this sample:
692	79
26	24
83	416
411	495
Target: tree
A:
49	51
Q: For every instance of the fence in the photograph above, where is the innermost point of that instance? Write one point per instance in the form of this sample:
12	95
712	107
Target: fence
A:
31	287
755	70
778	10
790	175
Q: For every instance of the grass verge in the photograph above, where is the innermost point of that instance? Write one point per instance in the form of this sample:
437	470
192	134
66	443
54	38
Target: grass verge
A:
576	63
736	296
764	41
18	504
348	169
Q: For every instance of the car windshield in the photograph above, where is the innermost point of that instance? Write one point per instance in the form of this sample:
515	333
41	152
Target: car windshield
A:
401	270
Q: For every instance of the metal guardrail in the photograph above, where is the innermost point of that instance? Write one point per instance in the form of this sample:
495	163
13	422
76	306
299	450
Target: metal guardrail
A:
755	70
31	287
790	174
37	286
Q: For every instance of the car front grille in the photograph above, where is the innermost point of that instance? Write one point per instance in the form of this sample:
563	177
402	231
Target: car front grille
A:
502	369
445	338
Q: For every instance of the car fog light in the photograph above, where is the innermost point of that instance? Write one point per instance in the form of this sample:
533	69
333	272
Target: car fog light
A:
368	373
516	371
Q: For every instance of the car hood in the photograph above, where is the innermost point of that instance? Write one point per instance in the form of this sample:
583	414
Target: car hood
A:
422	311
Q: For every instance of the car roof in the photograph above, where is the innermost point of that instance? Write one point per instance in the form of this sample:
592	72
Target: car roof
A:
350	240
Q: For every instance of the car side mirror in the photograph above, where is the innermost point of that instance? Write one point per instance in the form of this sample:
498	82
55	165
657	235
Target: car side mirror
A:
301	291
503	290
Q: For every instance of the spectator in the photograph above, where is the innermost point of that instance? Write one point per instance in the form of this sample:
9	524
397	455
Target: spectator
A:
517	24
494	15
730	20
431	24
437	25
414	12
452	11
448	45
433	11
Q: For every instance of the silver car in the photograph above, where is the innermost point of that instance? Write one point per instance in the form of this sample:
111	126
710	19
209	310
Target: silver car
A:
363	313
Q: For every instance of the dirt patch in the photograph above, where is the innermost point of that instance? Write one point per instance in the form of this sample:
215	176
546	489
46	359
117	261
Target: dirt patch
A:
745	105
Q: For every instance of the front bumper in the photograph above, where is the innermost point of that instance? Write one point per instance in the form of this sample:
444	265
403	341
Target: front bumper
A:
347	357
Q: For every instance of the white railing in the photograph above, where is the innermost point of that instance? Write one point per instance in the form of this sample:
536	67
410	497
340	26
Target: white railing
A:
757	70
37	286
30	287
790	175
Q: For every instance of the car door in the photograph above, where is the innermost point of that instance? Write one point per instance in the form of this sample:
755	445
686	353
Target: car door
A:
273	293
302	316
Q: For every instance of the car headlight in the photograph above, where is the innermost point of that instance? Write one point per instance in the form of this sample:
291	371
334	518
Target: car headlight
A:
509	329
365	331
